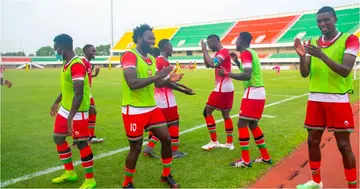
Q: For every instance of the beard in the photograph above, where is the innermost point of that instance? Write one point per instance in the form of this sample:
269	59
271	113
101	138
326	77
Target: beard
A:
146	48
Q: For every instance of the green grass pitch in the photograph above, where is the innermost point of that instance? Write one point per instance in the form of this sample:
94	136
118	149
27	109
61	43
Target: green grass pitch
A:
27	146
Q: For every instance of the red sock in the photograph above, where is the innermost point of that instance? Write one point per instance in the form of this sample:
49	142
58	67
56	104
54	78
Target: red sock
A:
174	134
315	169
152	142
229	130
92	122
244	138
166	166
260	142
87	161
350	175
129	174
65	156
210	122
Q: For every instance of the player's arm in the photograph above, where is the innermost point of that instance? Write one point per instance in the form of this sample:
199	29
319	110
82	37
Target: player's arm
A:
305	66
55	106
137	83
183	86
128	62
209	62
58	99
180	88
5	82
304	59
167	77
246	59
344	69
240	76
234	58
97	70
78	72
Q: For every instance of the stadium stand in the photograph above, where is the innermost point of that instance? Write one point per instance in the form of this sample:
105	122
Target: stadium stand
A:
264	31
190	36
273	35
126	41
284	55
306	27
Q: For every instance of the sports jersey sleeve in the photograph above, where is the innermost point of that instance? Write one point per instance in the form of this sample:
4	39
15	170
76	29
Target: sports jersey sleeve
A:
78	72
352	45
128	60
246	59
160	64
223	54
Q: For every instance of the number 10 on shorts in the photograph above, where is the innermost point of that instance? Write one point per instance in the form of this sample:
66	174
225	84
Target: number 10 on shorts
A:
133	127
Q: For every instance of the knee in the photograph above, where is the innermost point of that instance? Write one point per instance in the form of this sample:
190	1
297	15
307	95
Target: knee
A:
344	146
225	115
205	113
92	111
81	144
313	142
253	125
165	138
135	150
242	123
58	140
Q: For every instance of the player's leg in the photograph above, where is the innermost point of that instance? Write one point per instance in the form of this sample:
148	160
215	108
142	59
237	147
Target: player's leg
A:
228	129
64	151
349	162
145	139
130	162
92	123
315	122
211	126
149	149
340	117
172	118
253	110
260	142
134	128
244	140
158	126
81	137
248	113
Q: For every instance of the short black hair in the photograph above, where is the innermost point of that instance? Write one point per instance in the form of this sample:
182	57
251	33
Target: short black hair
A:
139	31
246	37
65	41
162	43
327	9
87	46
213	35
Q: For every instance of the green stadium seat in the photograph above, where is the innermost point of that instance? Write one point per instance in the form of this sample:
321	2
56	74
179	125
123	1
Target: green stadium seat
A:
348	21
190	36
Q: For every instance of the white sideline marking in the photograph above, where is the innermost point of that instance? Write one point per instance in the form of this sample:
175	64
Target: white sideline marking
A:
268	116
110	153
283	78
115	83
243	93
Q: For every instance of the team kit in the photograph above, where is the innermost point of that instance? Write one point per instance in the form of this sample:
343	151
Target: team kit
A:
149	104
